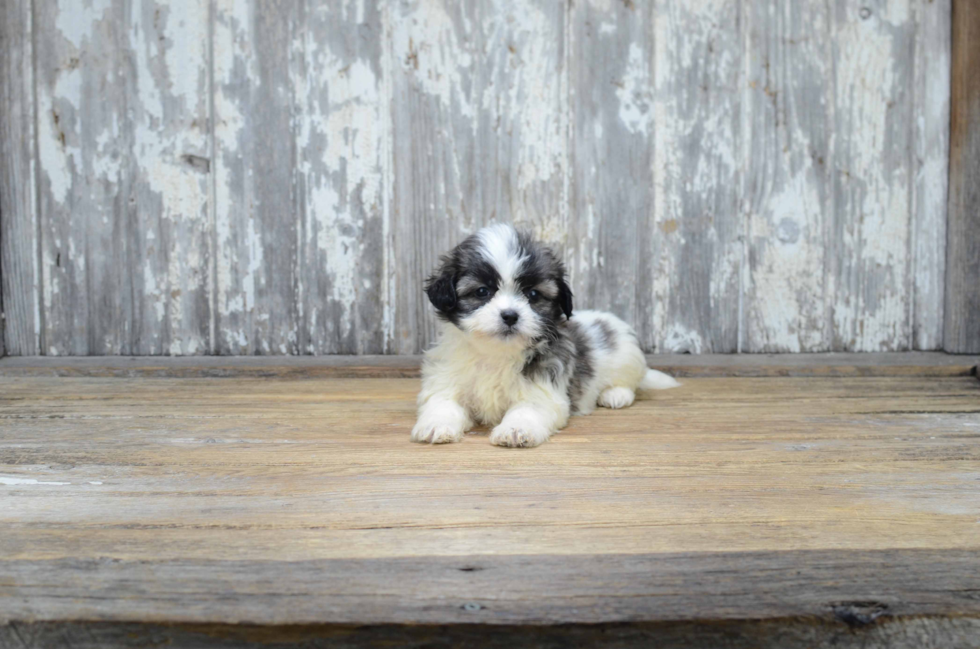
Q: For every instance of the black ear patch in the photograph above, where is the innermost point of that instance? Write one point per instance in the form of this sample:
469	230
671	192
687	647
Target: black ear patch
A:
565	297
442	292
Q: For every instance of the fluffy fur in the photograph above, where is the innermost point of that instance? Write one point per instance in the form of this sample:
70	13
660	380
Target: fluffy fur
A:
511	354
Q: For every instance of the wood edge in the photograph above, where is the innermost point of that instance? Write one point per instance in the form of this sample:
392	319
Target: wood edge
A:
669	587
789	632
923	364
962	293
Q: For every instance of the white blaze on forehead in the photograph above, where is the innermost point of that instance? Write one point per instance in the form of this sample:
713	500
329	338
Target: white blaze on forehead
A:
499	246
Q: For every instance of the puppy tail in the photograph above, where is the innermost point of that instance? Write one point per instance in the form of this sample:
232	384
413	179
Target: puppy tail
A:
655	380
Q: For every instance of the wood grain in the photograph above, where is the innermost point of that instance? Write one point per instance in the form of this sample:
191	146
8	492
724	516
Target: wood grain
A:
788	185
321	469
122	142
612	154
256	204
909	364
496	590
693	290
962	324
810	501
239	177
18	217
342	172
840	256
871	176
930	165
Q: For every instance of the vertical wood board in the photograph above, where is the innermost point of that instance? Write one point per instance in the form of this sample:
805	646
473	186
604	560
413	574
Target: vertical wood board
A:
930	168
787	190
20	324
122	146
693	292
610	249
244	177
256	209
342	171
962	315
871	281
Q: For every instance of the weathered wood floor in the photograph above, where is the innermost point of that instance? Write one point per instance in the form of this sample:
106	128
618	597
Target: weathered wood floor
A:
736	511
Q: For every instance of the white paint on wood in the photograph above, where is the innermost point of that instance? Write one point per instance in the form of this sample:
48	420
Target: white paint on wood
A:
727	175
19	482
871	113
342	166
122	144
696	144
930	169
786	187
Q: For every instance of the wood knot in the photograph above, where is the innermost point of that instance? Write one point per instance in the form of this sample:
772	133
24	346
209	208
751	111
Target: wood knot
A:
196	162
858	613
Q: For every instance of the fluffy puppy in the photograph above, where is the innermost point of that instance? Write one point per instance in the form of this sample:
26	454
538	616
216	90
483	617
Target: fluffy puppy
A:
511	354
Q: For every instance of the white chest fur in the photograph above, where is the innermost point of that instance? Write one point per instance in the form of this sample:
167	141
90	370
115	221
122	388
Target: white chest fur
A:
486	379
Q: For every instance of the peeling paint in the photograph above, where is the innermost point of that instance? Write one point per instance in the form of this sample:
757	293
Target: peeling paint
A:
16	482
723	174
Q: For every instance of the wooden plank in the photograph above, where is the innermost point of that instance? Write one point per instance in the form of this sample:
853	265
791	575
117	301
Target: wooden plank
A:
611	68
787	187
494	590
883	633
342	171
478	135
802	501
20	325
262	470
962	327
925	364
930	120
257	208
836	202
122	101
696	274
873	68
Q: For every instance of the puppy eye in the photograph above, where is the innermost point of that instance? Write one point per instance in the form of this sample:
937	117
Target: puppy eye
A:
533	295
483	291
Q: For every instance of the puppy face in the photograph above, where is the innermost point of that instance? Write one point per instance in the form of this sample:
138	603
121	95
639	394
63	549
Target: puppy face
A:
502	284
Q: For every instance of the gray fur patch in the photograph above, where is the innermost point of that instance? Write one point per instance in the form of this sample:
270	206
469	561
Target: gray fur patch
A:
605	336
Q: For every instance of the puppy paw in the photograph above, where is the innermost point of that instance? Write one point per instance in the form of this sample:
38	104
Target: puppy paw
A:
616	397
436	433
517	434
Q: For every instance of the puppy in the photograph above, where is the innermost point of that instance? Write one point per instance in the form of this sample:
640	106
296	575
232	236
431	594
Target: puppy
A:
511	355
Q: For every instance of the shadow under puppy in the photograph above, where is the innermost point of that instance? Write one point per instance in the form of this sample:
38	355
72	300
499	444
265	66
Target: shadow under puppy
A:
511	354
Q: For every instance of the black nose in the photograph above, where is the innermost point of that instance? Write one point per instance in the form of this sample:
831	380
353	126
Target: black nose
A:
509	317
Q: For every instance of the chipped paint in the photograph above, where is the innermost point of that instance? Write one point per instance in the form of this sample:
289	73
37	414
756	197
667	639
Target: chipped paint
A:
17	482
634	92
278	179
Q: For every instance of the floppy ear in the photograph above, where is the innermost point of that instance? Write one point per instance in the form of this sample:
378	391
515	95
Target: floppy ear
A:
565	297
441	289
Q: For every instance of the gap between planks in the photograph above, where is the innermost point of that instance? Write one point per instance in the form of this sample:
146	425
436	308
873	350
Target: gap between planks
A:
929	364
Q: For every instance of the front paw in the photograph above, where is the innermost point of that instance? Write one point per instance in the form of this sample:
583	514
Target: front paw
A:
434	432
519	434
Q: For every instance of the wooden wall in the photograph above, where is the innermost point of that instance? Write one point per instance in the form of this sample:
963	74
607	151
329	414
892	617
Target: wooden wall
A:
962	334
259	177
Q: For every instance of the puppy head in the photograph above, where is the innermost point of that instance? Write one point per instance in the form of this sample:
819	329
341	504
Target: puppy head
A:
500	283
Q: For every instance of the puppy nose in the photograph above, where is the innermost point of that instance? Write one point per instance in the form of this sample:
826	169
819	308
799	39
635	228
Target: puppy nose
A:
509	317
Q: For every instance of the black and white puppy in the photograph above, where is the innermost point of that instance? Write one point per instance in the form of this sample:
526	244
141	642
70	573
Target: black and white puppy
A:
511	355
